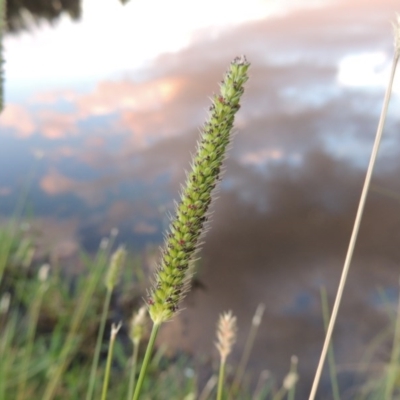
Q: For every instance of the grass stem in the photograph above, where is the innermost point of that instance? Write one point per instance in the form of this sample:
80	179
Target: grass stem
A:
114	332
73	338
221	380
247	349
356	228
132	374
146	360
331	355
393	369
99	341
34	313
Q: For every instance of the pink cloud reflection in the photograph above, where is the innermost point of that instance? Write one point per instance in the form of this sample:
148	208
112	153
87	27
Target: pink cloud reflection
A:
54	183
113	96
56	125
19	119
262	156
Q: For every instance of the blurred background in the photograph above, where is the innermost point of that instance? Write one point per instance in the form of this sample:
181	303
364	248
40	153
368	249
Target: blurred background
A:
104	102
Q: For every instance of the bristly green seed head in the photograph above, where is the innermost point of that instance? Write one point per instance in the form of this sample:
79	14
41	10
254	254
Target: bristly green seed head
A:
116	263
181	243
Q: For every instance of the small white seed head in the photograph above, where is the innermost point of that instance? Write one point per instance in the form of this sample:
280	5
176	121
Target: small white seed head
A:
138	325
5	303
104	243
290	380
226	335
43	273
115	329
114	232
114	270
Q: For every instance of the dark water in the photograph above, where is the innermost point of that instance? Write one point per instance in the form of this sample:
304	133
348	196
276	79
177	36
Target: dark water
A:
105	144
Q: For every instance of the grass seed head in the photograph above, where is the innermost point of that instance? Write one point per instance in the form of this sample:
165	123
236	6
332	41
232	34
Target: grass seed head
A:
116	263
138	325
115	329
43	274
226	335
5	301
182	241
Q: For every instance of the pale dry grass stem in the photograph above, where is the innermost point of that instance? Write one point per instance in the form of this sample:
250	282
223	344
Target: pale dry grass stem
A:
208	388
255	324
331	354
259	391
2	30
359	214
396	34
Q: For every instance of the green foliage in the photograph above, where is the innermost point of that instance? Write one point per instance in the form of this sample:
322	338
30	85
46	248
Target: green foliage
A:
49	327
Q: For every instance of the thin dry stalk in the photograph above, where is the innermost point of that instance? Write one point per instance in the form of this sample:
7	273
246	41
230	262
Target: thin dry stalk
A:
2	30
265	375
208	388
255	324
359	215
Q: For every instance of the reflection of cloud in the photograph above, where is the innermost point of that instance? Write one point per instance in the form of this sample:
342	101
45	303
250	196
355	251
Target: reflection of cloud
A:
364	70
64	151
144	228
258	157
50	97
293	78
55	183
95	142
5	191
156	26
119	212
109	96
56	125
19	119
141	108
48	123
59	238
